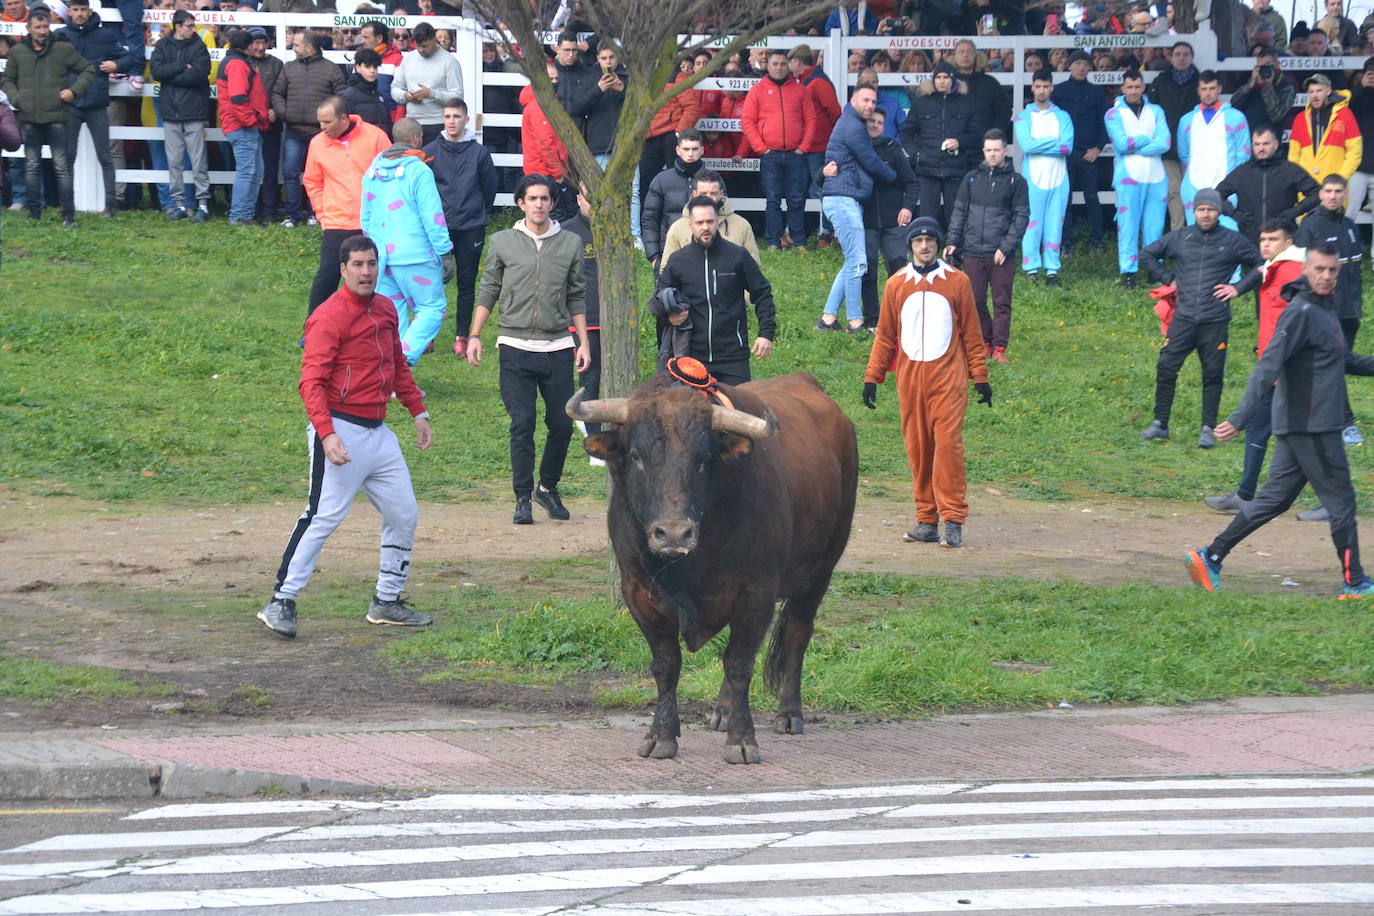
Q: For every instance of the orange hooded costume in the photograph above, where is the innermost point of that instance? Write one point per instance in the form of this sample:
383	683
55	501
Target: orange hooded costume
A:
928	332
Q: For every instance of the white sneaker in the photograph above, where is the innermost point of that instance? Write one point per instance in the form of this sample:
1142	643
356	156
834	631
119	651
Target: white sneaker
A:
582	428
596	462
17	208
312	221
639	244
288	223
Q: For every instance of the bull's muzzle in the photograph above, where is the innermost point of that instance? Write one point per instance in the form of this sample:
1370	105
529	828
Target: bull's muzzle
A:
674	538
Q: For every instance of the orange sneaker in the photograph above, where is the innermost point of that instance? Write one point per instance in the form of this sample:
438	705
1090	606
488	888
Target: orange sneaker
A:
460	347
999	355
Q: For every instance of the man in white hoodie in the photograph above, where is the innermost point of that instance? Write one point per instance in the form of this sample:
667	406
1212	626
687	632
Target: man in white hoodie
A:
427	78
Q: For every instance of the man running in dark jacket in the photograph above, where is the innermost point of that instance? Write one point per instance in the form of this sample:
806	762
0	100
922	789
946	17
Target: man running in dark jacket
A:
991	213
1203	256
713	275
1305	364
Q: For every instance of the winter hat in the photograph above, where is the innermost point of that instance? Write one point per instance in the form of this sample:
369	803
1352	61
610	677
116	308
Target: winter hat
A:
943	66
1207	197
928	225
256	32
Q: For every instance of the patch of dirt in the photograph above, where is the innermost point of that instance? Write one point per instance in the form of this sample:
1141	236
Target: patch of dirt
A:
57	552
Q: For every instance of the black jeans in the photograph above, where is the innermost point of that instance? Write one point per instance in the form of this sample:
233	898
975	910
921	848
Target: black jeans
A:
525	377
55	136
467	253
327	277
891	244
1085	177
1300	459
269	195
97	120
735	372
932	192
1209	340
591	379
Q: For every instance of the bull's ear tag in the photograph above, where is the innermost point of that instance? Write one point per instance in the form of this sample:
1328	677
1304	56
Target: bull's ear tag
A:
730	446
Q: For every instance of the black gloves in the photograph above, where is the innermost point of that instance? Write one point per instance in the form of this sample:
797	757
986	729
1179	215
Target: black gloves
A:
984	392
871	395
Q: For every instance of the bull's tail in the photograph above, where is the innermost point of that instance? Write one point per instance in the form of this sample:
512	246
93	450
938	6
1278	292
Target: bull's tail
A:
792	628
776	658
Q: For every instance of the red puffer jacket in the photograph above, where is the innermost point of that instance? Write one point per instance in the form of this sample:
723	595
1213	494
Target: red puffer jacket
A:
779	116
677	115
540	144
242	96
353	361
734	108
827	106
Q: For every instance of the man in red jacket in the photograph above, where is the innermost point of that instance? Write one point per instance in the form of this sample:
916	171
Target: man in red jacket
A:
1282	265
347	380
779	121
801	61
243	117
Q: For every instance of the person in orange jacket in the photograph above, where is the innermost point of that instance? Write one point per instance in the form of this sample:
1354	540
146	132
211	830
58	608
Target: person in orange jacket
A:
928	332
542	150
335	162
243	108
659	144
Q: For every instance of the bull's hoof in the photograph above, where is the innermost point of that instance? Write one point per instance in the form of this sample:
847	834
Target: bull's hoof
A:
785	724
718	720
658	748
741	753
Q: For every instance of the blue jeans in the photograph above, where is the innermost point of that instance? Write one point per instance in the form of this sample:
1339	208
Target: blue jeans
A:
293	150
55	137
847	216
634	205
247	143
784	176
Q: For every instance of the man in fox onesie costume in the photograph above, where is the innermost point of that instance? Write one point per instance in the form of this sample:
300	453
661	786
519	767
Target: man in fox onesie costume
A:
928	332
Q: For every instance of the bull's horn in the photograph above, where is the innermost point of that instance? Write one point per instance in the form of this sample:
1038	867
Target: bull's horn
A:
607	410
744	424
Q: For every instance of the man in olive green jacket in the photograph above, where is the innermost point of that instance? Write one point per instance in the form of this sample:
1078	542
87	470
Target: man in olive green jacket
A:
42	77
535	271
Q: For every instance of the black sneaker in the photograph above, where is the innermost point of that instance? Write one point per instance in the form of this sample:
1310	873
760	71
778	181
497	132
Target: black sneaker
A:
1128	281
1053	280
397	613
523	514
280	617
953	536
550	500
923	533
175	213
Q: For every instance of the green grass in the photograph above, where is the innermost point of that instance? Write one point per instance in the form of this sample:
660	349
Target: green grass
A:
897	645
148	361
40	682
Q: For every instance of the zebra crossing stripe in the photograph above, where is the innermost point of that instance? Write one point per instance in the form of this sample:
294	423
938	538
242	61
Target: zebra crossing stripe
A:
1053	861
1107	805
1171	785
686	875
1007	899
550	802
295	833
271	862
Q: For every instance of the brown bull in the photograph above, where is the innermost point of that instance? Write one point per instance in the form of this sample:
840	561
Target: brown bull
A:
718	515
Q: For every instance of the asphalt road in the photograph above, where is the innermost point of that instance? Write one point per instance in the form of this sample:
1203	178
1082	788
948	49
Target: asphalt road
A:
1252	846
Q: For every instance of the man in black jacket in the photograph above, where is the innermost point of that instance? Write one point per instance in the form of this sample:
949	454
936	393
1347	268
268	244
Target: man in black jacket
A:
712	276
1269	186
363	96
991	103
576	83
990	217
103	47
887	213
181	63
937	135
1328	223
1305	364
668	194
1204	256
1175	90
603	114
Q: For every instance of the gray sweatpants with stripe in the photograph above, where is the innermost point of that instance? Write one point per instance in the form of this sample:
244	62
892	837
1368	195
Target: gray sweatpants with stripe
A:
377	467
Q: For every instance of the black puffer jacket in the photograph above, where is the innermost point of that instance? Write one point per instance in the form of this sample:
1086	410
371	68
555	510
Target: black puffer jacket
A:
1176	100
1322	225
713	281
991	212
1200	261
603	115
668	194
364	100
183	69
934	118
300	89
1308	360
889	198
99	43
1268	189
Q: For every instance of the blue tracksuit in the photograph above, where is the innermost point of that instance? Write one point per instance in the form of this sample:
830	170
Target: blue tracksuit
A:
402	213
1142	188
1045	136
1211	144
